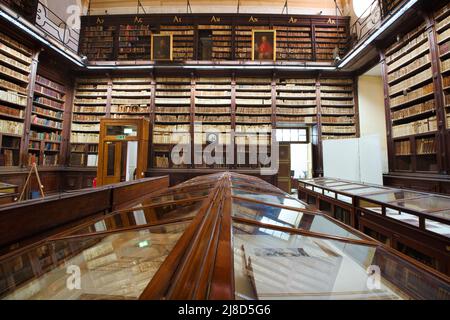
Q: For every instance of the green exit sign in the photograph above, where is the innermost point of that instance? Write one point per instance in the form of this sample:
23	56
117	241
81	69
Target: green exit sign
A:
122	137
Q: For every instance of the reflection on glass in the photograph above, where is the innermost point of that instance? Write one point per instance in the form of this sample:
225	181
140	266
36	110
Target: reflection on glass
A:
125	130
370	206
174	196
289	218
438	227
426	204
344	198
269	198
116	266
364	191
298	267
329	193
393	196
140	217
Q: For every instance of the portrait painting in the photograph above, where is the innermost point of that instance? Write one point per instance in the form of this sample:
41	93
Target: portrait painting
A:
263	45
161	48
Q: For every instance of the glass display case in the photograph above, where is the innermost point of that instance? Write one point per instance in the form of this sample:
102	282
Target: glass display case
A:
220	236
388	214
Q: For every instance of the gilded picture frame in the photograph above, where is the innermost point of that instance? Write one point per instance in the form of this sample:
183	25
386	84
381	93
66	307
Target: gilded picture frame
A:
161	47
264	45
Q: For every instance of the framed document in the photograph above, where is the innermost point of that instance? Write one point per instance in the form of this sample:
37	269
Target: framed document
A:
161	47
264	44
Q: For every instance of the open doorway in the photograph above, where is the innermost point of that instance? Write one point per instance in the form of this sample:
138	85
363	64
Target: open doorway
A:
295	160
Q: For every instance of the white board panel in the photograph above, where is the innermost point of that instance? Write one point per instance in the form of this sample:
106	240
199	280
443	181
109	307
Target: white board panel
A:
341	159
370	159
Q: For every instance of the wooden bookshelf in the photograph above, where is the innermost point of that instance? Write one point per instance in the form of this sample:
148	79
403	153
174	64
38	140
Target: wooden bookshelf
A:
215	42
330	40
46	123
296	100
443	40
412	104
214	37
213	115
90	104
172	115
183	40
134	42
131	97
15	68
338	110
97	42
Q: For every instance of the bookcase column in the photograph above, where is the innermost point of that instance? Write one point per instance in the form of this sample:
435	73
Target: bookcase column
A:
27	115
441	143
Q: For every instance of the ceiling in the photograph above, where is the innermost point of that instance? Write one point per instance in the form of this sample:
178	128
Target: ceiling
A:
327	7
375	71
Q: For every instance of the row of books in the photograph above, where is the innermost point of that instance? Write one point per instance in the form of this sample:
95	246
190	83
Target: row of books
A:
136	94
253	101
297	111
19	113
172	101
422	49
34	145
15	44
49	92
89	109
130	109
51	136
426	146
210	110
6	49
408	42
414	65
170	138
33	158
50	159
91	94
11	127
337	103
136	101
17	64
445	65
327	110
339	129
166	109
328	119
410	96
86	118
253	119
302	119
46	122
172	118
213	101
416	127
161	161
42	80
402	148
13	87
49	102
48	112
210	118
86	127
90	101
409	82
413	110
14	74
221	93
336	95
48	146
171	128
447	99
79	137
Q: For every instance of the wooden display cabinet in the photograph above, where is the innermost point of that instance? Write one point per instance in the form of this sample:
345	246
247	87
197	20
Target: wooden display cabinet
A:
123	150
